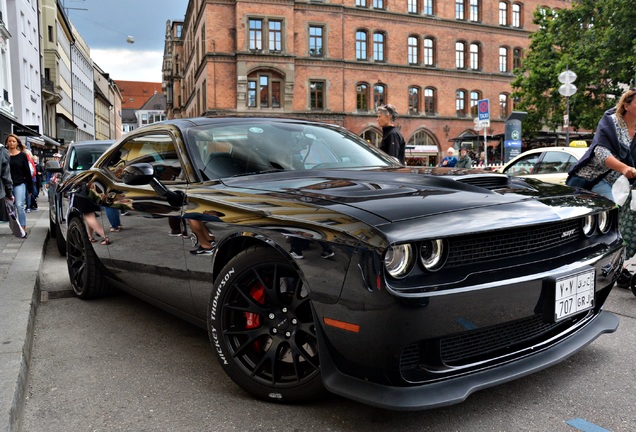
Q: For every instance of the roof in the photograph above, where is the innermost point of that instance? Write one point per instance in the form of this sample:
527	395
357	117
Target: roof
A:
156	102
134	94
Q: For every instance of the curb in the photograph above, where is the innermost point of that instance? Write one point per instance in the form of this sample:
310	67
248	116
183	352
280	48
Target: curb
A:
20	298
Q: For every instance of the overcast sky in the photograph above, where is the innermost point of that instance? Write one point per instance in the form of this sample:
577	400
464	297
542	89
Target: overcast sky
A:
106	24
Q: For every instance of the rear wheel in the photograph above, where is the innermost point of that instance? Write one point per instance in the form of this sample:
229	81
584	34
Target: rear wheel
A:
83	265
262	328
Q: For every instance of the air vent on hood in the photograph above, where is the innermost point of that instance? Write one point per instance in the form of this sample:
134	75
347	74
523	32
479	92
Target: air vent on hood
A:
487	181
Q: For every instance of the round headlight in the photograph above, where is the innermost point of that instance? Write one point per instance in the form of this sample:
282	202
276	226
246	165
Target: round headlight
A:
604	222
588	225
432	254
398	260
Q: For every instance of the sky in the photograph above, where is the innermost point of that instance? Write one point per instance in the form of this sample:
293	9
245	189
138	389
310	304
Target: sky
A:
105	26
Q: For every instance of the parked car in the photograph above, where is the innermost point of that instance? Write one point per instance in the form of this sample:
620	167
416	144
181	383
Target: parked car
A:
79	157
549	164
333	267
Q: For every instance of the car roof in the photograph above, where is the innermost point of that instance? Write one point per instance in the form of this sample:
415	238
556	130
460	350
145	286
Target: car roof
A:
91	142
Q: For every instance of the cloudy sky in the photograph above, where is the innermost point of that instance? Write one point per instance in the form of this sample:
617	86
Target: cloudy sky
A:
106	25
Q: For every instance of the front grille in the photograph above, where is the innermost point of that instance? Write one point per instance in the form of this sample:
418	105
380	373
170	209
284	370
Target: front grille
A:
479	344
510	243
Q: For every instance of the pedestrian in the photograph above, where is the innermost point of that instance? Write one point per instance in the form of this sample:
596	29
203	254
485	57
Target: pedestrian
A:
464	160
84	204
392	141
612	154
6	184
450	159
37	184
20	175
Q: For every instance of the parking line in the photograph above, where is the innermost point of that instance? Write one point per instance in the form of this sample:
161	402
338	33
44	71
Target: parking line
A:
585	426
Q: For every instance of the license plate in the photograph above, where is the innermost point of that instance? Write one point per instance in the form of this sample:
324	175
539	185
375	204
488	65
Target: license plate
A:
574	293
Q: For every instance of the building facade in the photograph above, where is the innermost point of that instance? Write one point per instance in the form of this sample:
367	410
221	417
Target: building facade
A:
83	90
338	61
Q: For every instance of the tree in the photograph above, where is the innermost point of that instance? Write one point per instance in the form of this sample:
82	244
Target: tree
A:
594	38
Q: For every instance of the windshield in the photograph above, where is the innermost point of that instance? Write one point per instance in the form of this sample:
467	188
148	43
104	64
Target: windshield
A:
259	146
83	157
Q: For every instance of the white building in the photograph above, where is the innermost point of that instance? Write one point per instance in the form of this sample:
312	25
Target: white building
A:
83	88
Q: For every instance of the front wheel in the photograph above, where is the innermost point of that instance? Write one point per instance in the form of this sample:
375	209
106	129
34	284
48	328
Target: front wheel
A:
262	328
83	265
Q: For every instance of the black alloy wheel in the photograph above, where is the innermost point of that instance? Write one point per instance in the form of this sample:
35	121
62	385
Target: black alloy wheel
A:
261	326
83	265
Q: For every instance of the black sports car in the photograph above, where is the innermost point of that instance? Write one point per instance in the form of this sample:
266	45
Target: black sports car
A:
317	262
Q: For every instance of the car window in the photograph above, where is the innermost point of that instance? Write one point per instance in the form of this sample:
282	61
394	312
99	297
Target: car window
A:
524	166
224	150
556	162
157	149
83	157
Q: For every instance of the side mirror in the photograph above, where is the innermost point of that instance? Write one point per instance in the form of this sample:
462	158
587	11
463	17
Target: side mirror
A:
138	174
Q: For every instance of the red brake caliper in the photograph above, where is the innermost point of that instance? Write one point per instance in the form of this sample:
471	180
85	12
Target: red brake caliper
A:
253	320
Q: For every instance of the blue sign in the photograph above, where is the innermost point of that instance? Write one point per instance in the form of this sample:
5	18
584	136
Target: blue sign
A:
483	109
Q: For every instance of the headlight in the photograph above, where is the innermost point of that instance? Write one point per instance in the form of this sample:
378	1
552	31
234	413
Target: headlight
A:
398	260
604	222
588	225
433	254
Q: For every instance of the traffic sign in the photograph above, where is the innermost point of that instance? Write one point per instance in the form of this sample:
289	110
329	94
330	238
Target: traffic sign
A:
483	112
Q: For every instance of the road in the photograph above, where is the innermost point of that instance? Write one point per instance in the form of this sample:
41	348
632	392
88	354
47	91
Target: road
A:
117	364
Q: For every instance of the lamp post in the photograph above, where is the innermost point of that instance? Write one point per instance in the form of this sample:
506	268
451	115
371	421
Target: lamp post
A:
567	77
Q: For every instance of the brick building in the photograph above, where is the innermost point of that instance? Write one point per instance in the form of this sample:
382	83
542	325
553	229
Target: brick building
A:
337	61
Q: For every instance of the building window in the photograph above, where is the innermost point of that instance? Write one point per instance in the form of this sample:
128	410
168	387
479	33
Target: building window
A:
503	13
516	58
379	95
427	7
414	100
516	15
460	55
361	45
378	47
413	50
361	3
50	33
460	103
503	106
474	98
459	10
429	101
256	34
429	52
275	32
317	95
378	4
474	11
412	6
474	56
362	97
503	59
315	41
263	91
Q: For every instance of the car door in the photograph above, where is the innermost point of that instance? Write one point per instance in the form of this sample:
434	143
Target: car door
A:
143	256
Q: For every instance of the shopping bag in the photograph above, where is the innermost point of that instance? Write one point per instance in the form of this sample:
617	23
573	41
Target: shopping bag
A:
16	228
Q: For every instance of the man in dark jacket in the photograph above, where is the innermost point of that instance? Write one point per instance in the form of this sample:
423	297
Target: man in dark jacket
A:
392	141
6	185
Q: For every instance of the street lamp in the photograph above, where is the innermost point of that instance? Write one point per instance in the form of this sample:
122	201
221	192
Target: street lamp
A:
567	77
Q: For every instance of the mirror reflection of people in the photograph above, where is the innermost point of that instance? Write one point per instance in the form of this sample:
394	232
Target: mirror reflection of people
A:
392	141
20	175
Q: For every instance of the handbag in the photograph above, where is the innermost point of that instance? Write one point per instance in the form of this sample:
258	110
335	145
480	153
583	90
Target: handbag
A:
16	228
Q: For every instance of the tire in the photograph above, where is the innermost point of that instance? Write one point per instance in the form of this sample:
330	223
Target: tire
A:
52	225
632	284
83	265
262	328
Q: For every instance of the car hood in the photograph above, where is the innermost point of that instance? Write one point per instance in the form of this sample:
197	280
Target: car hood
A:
393	195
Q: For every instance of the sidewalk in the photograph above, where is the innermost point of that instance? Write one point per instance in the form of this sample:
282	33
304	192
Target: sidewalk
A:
20	261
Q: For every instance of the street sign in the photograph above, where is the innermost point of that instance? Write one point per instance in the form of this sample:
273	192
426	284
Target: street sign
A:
483	112
28	130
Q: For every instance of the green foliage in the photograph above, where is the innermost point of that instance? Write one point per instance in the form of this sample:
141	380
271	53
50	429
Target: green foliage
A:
596	39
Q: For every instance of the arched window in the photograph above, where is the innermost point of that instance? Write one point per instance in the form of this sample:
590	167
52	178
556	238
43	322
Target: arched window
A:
474	98
378	47
516	58
264	89
379	95
503	13
430	102
413	50
503	106
414	100
362	97
372	136
460	103
517	16
460	55
361	45
429	52
503	59
474	56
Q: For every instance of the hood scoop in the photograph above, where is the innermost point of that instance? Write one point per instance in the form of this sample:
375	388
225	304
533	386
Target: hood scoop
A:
486	181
